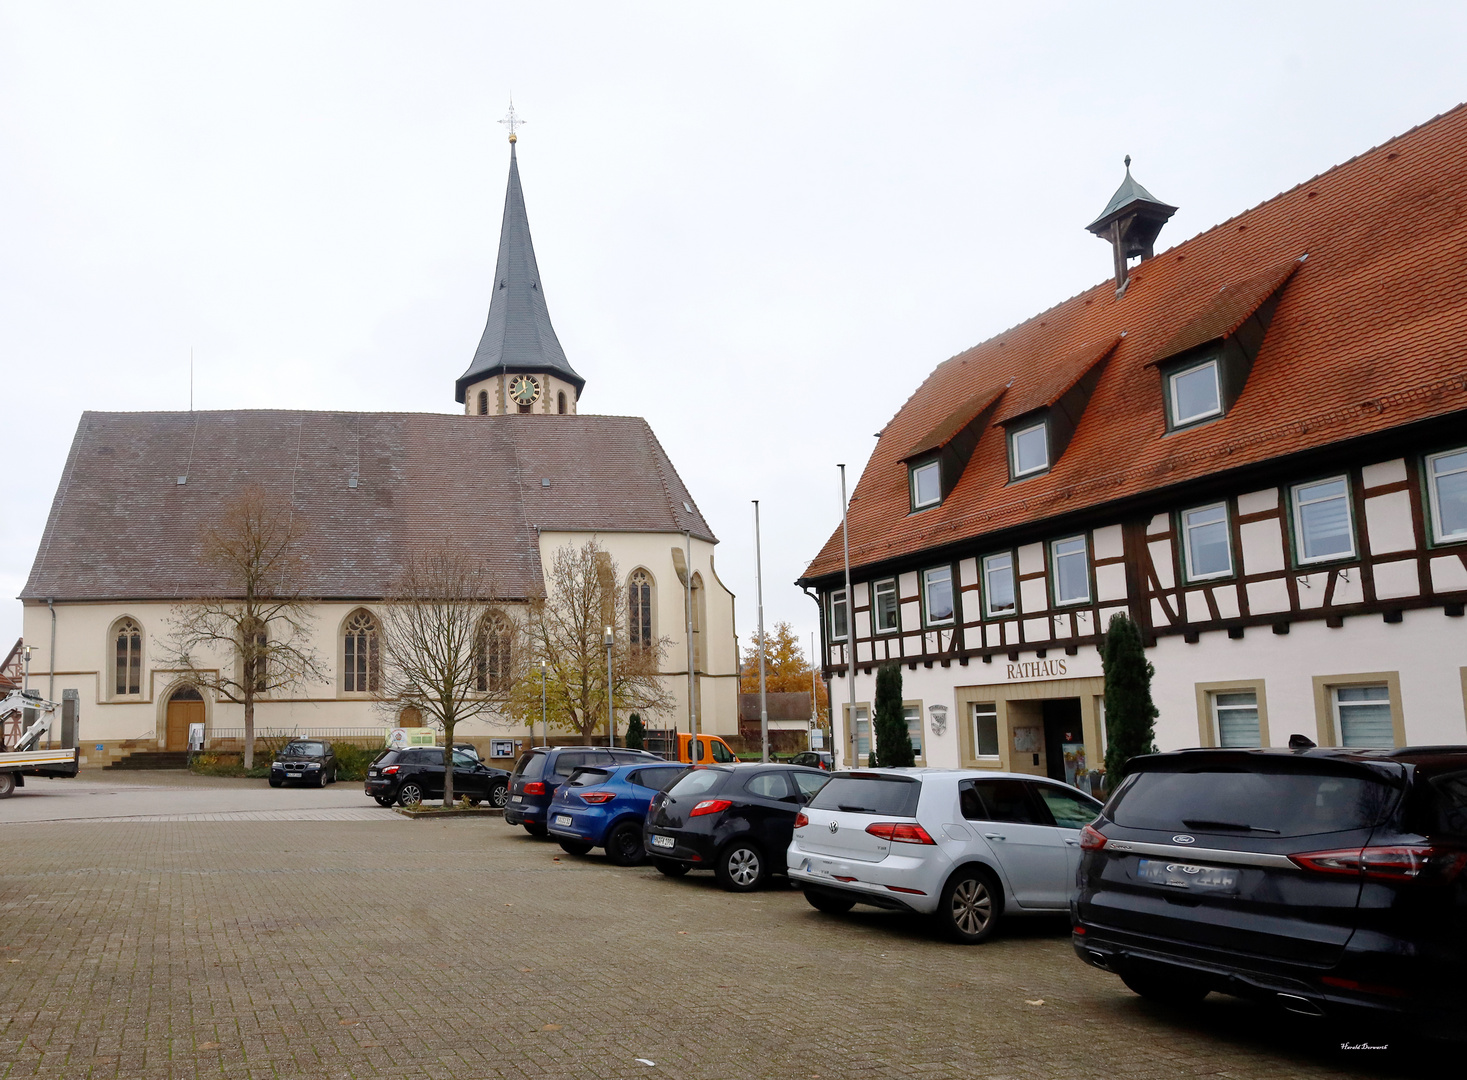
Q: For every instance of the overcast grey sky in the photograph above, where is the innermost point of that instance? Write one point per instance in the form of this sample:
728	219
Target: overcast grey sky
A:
759	226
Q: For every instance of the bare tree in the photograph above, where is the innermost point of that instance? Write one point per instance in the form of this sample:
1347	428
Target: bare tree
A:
448	645
254	639
566	632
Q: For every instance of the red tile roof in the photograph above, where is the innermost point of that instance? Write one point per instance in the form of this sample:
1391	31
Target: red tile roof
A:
1230	309
1369	334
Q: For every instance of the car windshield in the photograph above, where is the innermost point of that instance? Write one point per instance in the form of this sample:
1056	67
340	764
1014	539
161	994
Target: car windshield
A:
870	793
530	767
305	749
697	782
588	777
1240	802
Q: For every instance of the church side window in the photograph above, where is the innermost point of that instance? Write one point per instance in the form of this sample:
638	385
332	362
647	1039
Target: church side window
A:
639	610
483	402
128	658
562	401
493	653
362	655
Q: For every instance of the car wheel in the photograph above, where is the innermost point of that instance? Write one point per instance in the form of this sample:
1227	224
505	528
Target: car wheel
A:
624	846
1166	987
535	830
670	867
333	774
409	793
274	782
970	907
7	785
382	800
741	867
831	905
321	780
574	847
499	796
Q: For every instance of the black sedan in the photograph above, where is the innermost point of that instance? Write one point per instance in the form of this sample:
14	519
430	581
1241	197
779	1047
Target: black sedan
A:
735	820
304	761
415	774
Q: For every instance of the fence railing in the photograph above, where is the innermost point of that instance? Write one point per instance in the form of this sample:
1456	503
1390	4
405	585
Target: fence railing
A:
235	736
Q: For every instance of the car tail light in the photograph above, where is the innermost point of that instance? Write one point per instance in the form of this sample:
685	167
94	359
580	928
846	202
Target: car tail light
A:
914	892
900	832
535	787
1091	839
1364	988
597	797
802	819
391	770
1394	862
710	806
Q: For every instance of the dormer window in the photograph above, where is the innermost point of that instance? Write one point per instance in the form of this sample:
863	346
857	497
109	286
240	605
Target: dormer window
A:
926	484
1029	450
1194	393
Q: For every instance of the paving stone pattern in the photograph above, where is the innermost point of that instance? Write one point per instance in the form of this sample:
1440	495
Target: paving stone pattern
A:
261	948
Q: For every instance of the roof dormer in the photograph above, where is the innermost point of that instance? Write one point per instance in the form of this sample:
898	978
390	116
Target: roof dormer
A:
936	462
1039	421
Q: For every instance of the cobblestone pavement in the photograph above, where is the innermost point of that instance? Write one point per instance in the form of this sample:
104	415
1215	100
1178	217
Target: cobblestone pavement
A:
464	949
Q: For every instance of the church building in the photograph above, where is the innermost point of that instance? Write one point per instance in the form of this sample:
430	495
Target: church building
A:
1253	444
521	473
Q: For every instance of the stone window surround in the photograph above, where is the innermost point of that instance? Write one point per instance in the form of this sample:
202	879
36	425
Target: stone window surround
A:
1326	732
1207	734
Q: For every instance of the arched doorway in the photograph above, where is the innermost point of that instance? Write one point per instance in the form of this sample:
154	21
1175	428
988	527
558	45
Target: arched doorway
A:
185	707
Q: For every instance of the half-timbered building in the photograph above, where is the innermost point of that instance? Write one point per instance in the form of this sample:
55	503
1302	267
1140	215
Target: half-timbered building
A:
1254	444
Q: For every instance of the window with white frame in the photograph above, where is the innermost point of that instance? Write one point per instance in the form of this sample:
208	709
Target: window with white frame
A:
926	484
863	731
1235	718
1205	543
913	715
839	621
884	605
1071	562
985	729
998	584
1029	450
1363	715
1446	476
937	594
1194	393
1322	520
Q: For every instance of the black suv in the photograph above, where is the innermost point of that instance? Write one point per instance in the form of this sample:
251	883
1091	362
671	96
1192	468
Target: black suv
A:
736	820
540	771
1330	882
415	774
304	761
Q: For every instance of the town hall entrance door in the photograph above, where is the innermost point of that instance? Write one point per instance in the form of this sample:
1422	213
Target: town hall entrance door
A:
1064	740
185	707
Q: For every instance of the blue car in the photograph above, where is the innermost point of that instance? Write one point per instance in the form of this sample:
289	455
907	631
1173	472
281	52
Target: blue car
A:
605	806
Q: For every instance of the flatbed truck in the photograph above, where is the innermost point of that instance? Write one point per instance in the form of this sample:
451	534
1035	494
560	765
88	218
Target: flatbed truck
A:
26	757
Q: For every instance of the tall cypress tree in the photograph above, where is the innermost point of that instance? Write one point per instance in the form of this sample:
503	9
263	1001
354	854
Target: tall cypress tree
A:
1129	713
893	744
636	732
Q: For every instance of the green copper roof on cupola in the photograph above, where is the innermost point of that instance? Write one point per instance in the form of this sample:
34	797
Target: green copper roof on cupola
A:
518	336
1127	196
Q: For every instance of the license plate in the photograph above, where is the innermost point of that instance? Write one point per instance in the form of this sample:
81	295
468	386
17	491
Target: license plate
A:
371	772
1176	875
293	776
517	798
663	841
562	819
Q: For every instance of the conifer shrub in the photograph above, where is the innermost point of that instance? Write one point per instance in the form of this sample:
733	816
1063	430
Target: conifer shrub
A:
893	745
1130	714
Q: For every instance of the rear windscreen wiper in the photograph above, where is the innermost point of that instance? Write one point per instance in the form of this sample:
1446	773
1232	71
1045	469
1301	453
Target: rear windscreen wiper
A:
855	809
1198	823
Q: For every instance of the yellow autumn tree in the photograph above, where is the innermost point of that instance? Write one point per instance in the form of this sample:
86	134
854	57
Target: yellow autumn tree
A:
786	668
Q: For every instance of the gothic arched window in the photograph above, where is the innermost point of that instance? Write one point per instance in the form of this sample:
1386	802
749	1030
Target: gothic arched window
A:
493	653
127	660
361	654
562	401
483	402
639	609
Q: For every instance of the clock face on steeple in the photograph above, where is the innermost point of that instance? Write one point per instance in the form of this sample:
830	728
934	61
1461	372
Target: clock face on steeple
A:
524	389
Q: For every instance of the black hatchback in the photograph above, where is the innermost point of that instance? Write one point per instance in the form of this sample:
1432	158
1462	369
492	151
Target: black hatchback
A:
543	769
415	774
1329	882
736	820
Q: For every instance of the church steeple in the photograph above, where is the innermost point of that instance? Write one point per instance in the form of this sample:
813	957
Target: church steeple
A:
519	365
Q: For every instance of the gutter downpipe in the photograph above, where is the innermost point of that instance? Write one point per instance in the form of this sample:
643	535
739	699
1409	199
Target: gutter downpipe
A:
51	662
688	603
845	538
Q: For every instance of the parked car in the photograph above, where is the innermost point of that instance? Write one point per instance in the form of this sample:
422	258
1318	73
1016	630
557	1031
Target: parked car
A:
542	770
968	847
415	774
1325	881
606	806
735	820
304	761
815	759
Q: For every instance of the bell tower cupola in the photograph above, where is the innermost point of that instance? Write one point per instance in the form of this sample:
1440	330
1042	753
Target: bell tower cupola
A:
1130	223
519	366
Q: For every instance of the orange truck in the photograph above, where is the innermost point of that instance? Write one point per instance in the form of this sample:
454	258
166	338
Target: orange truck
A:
678	746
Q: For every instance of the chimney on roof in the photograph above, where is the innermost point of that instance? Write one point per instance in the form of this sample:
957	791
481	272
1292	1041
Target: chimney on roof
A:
1130	223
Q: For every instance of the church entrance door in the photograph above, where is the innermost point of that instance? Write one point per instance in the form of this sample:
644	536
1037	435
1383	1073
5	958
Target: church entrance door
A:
185	707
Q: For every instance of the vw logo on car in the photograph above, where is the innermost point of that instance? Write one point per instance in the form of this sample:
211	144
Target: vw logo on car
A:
1183	838
834	827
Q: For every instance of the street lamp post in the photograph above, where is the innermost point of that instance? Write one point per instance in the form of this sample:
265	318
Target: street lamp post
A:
544	727
759	593
610	709
845	536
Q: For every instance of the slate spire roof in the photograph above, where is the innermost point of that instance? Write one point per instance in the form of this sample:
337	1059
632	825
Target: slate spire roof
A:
518	335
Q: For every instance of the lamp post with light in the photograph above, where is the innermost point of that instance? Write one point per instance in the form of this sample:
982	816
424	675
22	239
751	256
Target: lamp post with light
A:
610	713
544	726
